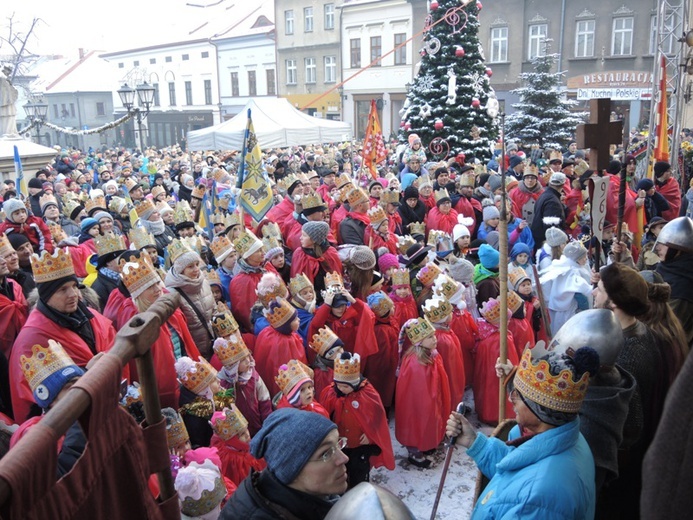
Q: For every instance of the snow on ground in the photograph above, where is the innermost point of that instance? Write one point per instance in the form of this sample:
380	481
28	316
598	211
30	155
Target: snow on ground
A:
417	487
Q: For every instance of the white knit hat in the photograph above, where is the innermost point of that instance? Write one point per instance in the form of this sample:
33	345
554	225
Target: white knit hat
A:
555	237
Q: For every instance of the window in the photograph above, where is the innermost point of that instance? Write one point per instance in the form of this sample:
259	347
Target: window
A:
136	63
310	70
355	48
121	65
168	59
653	34
330	69
208	91
234	85
185	57
308	19
205	54
56	114
156	101
152	61
188	93
252	83
271	83
622	37
172	93
100	108
72	110
329	17
400	52
499	44
290	72
537	37
584	39
288	22
376	50
63	110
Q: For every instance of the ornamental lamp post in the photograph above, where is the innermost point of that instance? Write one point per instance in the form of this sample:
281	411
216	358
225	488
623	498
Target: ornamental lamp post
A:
145	97
37	113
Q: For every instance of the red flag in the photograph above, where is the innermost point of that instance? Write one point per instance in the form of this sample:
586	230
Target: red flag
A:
661	142
373	145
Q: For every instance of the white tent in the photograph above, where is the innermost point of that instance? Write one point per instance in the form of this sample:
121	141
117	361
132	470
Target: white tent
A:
276	123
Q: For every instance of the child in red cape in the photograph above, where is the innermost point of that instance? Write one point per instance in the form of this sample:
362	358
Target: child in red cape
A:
518	326
356	409
378	232
521	283
297	389
327	347
382	367
402	297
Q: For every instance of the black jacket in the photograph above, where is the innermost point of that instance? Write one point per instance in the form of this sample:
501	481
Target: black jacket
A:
352	231
104	286
548	205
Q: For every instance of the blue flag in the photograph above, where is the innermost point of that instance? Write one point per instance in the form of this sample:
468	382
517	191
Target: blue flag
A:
256	192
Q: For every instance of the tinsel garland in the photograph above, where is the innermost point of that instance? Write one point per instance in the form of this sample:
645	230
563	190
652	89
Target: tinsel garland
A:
98	130
25	130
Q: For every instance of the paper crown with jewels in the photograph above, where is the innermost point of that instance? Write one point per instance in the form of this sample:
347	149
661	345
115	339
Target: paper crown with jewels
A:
69	206
298	283
182	212
47	199
221	248
347	369
271	229
428	274
224	202
380	303
555	156
176	432
404	243
291	375
218	218
341	194
333	279
224	324
441	194
213	277
536	383
96	204
445	286
467	180
141	238
117	204
196	376
5	246
514	301
517	276
130	183
231	220
43	366
230	350
357	196
417	228
311	200
57	233
158	190
269	288
279	312
343	180
419	330
49	267
400	277
377	215
109	243
288	181
138	274
389	197
324	341
491	311
177	248
246	242
437	309
437	236
270	243
229	423
198	191
145	208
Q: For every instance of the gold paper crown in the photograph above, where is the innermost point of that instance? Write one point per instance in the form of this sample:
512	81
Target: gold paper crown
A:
480	169
221	247
232	219
342	180
311	200
271	243
5	246
467	180
245	241
218	218
404	243
342	193
445	286
417	228
69	205
177	248
561	393
437	309
555	155
145	206
428	274
419	331
271	229
281	314
298	283
138	274
532	169
291	374
389	197
303	178
224	324
43	362
213	277
224	203
198	192
514	301
272	288
57	233
348	370
109	243
377	214
400	277
323	341
140	237
116	205
357	196
198	376
158	190
176	432
232	350
382	306
288	181
333	278
491	311
218	174
435	236
46	199
98	203
581	167
182	212
49	267
441	194
130	183
231	425
515	275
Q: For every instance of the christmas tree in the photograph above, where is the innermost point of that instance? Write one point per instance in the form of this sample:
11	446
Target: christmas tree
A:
543	114
451	105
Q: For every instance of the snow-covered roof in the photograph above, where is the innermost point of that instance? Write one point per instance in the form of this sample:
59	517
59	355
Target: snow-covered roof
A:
66	75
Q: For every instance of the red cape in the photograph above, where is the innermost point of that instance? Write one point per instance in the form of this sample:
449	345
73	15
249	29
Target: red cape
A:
253	409
382	366
315	406
630	216
465	207
404	309
272	350
322	379
13	315
519	198
366	406
80	255
423	403
523	334
451	352
436	220
464	327
236	460
279	213
375	240
671	191
112	308
308	265
336	219
243	297
38	330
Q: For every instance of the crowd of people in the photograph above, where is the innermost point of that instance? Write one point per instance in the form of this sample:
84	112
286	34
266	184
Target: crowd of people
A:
358	298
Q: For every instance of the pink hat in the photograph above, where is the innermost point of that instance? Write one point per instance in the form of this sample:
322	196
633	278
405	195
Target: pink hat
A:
413	138
386	261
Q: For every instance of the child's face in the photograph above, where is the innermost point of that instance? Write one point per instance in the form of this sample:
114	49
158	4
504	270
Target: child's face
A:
94	231
245	436
338	312
344	388
19	216
383	227
307	393
215	387
403	291
522	258
216	291
278	261
525	288
307	294
388	273
244	365
295	324
493	222
430	342
463	242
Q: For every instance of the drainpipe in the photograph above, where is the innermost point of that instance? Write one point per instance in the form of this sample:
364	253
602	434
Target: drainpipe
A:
560	43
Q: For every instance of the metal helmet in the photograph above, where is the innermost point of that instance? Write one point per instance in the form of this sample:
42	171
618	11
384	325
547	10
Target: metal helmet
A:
596	328
369	501
677	234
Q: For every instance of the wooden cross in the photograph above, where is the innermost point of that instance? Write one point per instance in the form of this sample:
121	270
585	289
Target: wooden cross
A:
599	134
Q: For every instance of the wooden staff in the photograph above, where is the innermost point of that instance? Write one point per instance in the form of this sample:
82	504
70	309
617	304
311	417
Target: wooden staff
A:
623	184
503	276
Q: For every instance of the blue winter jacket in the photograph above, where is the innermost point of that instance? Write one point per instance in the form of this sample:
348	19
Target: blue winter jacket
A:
550	476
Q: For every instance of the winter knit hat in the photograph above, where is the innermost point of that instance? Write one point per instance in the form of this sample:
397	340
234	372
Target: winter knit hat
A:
185	260
488	256
518	249
574	250
102	214
317	231
491	212
555	237
35	183
386	261
17	240
287	440
87	224
644	184
660	168
12	205
413	138
494	182
461	271
412	192
461	229
493	239
362	257
626	288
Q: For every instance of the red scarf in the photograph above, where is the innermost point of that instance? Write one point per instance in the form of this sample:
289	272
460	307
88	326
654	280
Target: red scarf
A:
361	217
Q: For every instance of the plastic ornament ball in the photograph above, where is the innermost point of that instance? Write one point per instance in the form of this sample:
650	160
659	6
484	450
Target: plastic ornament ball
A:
401	125
459	52
489	72
422	52
479	5
476	103
407	126
438	125
434	5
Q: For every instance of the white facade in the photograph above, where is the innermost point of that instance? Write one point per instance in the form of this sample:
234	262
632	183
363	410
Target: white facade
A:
371	29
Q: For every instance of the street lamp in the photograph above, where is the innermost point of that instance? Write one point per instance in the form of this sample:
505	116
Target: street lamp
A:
37	113
145	97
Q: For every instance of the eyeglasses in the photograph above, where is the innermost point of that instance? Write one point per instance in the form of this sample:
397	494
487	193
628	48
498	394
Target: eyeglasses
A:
327	456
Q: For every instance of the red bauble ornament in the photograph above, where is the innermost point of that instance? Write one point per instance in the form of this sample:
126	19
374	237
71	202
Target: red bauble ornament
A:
479	5
434	5
438	125
401	124
460	158
489	72
459	52
422	52
476	103
407	126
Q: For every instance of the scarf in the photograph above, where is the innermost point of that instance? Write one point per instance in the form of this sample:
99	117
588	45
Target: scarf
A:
537	188
361	217
229	374
415	214
244	267
154	227
77	322
110	274
481	273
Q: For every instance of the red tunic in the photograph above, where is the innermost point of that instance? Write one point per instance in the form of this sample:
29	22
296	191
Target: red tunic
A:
322	378
671	191
451	353
310	266
466	330
466	207
437	220
486	383
375	240
112	309
243	297
38	330
274	349
315	406
405	309
236	460
423	402
382	367
523	334
13	315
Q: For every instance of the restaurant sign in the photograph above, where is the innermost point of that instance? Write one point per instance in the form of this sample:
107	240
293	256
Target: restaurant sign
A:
625	79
